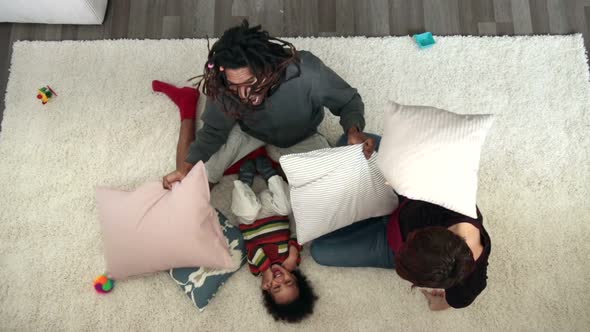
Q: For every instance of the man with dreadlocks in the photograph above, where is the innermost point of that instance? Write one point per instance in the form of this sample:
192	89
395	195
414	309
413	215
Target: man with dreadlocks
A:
261	91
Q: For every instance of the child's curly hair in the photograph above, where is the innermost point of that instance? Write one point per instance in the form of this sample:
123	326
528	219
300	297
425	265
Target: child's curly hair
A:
297	310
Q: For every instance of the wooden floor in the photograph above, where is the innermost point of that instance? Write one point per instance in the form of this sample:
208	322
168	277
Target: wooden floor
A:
158	19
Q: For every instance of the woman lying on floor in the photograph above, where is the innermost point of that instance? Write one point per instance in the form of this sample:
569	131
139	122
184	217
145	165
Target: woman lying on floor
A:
442	252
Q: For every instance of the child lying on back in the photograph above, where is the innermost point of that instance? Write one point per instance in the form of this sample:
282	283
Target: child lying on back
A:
272	252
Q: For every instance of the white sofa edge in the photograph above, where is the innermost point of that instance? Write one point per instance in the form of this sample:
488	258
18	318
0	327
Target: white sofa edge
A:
53	11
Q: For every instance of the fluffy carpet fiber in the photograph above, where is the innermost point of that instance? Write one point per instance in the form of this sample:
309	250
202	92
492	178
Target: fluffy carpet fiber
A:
107	128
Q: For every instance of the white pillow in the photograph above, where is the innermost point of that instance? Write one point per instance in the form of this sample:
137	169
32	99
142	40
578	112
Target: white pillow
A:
332	188
432	155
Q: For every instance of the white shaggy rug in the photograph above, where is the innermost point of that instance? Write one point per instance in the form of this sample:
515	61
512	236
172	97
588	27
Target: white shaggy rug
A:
107	128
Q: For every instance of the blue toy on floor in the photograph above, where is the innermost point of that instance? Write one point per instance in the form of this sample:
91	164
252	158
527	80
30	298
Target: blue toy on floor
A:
424	40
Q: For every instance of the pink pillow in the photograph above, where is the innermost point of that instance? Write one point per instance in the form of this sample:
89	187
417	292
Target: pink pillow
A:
153	229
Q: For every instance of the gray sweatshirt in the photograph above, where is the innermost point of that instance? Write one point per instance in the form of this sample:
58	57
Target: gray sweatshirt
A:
290	115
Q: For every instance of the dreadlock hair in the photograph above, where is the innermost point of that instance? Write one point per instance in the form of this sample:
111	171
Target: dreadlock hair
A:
245	46
297	310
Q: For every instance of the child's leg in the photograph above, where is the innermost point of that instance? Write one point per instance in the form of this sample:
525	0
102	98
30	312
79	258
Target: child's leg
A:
186	99
238	145
245	205
275	200
185	138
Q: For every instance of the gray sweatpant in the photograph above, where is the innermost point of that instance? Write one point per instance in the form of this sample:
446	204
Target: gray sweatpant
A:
240	144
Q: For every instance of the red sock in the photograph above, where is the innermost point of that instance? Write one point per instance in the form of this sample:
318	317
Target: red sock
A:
185	98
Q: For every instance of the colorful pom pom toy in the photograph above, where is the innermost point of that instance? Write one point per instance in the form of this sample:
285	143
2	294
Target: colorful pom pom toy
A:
103	284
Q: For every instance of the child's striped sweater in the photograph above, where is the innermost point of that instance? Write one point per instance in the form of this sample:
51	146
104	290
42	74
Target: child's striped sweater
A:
267	242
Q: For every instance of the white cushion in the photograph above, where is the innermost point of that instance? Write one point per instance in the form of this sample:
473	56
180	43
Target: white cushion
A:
53	12
432	155
332	188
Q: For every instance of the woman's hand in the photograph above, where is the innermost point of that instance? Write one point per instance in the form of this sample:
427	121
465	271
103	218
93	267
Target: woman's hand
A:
357	137
436	299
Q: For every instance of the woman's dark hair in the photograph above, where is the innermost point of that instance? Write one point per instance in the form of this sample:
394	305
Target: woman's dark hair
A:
245	46
434	257
297	310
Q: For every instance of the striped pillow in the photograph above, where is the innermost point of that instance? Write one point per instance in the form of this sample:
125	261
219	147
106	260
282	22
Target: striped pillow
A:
332	188
432	155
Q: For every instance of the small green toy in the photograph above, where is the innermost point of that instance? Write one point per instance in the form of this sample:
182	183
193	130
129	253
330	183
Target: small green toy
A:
45	93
